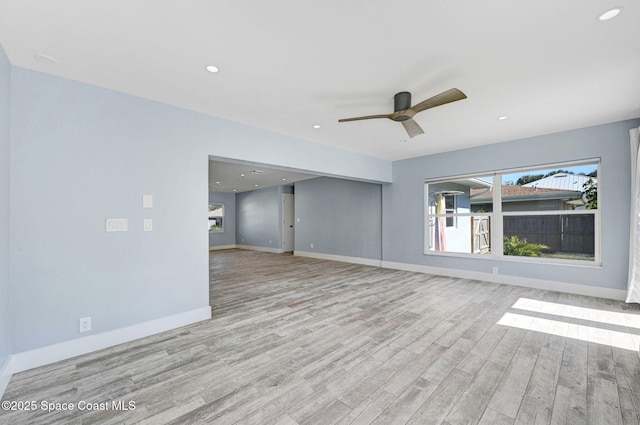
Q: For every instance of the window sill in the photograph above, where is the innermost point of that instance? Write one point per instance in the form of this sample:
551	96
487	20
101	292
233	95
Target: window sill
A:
525	260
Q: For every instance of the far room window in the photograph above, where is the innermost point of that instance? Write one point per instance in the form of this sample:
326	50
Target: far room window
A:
541	213
216	218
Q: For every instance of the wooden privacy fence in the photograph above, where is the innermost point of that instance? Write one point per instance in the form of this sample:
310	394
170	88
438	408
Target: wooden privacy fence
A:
561	233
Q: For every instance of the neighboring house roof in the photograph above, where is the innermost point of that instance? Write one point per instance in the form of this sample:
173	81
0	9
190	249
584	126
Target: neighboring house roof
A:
563	181
472	182
522	193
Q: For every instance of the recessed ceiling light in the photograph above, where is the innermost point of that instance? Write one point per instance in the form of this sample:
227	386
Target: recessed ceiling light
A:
502	118
212	68
255	185
610	14
42	58
217	182
241	175
284	180
234	190
316	126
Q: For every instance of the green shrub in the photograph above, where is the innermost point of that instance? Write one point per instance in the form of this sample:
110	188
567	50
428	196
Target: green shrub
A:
590	194
522	248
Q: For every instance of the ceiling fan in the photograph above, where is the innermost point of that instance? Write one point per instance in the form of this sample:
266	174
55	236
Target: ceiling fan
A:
404	112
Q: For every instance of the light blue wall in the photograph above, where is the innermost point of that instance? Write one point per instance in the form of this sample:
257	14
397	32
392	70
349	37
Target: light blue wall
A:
228	237
81	154
5	305
340	217
403	200
258	218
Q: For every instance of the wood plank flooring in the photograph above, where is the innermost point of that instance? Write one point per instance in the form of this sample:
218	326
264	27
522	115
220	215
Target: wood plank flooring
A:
298	341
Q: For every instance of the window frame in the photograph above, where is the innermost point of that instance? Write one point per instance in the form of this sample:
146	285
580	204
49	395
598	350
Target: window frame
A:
496	216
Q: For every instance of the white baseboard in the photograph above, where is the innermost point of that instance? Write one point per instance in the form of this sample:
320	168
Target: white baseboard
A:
219	247
342	258
550	285
76	347
260	248
5	375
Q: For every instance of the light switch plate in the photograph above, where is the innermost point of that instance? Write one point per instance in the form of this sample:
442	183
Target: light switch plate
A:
147	201
117	225
148	225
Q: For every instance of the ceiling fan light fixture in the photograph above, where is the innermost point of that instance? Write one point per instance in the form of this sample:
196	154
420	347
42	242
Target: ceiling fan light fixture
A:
610	14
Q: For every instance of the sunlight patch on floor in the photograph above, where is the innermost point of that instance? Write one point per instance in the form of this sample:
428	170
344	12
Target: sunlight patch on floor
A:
585	313
600	329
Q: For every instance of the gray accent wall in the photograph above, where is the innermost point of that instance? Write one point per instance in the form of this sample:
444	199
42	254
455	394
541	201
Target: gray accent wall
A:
403	201
259	218
228	236
81	154
5	305
340	217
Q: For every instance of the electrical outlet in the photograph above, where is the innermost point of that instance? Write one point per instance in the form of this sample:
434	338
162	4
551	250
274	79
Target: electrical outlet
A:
311	245
494	270
85	324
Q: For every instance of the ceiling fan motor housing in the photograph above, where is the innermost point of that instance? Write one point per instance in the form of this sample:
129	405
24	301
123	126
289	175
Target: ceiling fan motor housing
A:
402	101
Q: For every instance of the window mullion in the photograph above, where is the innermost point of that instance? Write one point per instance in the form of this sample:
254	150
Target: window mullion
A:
497	238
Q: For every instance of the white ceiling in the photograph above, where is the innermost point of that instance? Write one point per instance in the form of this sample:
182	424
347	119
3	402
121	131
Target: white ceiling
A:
237	177
548	65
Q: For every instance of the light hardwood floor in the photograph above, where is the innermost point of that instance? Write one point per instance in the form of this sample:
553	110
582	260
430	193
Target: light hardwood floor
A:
303	341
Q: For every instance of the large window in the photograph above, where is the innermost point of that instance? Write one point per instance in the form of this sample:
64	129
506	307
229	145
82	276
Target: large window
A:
216	217
544	213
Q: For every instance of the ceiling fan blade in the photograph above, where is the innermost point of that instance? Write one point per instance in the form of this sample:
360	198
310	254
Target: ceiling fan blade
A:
412	127
451	95
368	117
